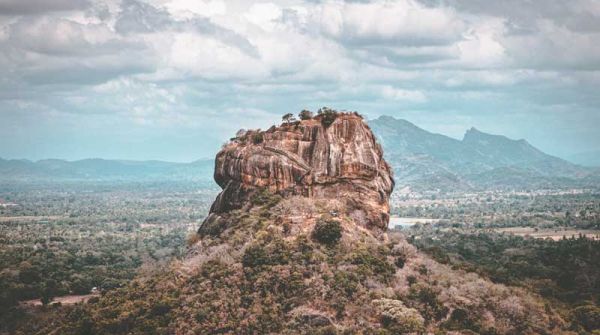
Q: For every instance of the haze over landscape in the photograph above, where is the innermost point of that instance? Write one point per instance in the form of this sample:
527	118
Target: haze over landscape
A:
313	167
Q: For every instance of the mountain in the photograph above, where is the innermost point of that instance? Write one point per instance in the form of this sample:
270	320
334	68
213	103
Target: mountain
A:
426	160
296	243
104	170
420	159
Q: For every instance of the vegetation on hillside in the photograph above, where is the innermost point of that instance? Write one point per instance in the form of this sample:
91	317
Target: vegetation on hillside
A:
255	276
66	241
564	271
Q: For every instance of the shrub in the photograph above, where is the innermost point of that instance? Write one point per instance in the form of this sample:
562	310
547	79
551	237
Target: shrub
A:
257	137
346	282
460	320
329	330
587	316
160	309
305	115
275	252
192	239
328	115
398	318
400	261
265	198
255	255
287	228
327	232
428	303
372	263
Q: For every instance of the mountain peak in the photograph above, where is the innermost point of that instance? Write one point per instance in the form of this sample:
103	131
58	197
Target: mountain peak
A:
392	121
474	133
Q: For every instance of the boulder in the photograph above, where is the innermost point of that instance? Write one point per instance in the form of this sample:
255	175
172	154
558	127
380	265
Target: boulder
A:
311	158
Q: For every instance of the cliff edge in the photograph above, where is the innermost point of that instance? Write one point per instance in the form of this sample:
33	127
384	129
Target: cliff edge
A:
330	156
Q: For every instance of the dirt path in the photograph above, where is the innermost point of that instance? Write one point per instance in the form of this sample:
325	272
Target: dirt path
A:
65	300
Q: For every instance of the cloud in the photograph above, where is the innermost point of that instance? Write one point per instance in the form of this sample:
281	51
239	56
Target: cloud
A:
189	9
405	22
18	7
392	93
190	68
137	17
65	38
555	47
44	50
575	15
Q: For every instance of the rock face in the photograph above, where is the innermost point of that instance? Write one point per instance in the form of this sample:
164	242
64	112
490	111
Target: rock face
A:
312	158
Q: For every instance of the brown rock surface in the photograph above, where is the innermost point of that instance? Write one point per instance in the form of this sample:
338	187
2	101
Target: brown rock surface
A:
341	161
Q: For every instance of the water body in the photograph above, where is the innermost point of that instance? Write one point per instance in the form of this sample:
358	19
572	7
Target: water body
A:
408	222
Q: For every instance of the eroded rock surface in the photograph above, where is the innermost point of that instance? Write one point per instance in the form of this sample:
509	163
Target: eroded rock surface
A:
341	160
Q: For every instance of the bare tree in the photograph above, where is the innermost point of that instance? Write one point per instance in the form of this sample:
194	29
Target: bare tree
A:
288	118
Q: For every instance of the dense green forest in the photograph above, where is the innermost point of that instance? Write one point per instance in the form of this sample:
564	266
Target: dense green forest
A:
66	239
566	271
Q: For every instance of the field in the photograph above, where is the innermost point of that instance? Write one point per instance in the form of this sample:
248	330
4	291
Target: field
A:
63	240
554	234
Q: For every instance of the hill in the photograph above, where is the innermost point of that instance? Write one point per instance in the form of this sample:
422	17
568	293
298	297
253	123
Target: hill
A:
420	159
104	170
426	161
296	243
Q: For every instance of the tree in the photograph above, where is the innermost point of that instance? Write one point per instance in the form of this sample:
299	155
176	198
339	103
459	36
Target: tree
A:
27	273
327	232
288	118
587	316
328	115
305	115
257	137
241	133
48	291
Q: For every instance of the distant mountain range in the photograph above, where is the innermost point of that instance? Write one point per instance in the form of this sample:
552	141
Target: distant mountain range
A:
104	170
421	160
425	160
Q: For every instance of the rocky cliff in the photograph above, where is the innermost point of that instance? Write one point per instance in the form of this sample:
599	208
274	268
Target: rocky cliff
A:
325	157
296	244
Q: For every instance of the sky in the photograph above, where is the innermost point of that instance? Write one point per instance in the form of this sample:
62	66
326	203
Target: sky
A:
174	79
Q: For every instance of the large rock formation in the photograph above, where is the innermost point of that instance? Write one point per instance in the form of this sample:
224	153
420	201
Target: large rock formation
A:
328	156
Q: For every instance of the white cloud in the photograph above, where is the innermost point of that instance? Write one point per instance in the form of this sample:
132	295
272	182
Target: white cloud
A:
554	47
178	63
187	9
481	46
393	93
206	57
265	15
405	21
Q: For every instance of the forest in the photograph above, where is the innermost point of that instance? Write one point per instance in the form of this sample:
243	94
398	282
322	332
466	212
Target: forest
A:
565	272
